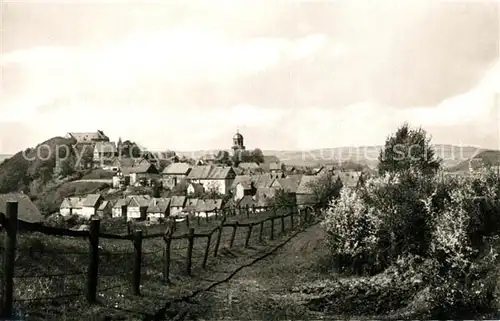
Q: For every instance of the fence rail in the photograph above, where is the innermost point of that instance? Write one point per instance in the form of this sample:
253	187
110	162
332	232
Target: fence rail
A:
254	225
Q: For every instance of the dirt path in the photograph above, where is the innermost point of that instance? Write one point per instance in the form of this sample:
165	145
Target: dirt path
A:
255	292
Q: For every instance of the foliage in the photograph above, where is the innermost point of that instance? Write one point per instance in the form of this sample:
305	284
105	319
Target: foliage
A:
282	199
325	188
223	157
130	149
246	156
180	189
408	149
445	221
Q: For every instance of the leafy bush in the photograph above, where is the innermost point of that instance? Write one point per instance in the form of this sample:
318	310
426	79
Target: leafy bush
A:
446	221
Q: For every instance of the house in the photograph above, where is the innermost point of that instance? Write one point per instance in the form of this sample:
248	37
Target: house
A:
350	179
71	206
143	173
207	159
88	138
105	209
250	168
177	204
244	188
304	194
190	207
247	201
120	208
174	173
90	204
26	210
275	167
105	150
218	178
207	207
158	208
137	206
195	188
288	184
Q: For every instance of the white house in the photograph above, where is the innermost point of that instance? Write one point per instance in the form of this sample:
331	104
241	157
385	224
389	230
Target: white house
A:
194	188
90	205
105	209
207	207
158	208
177	204
120	208
218	178
71	206
137	206
174	173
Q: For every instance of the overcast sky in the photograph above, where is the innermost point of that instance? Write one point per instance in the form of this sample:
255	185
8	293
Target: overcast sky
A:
289	75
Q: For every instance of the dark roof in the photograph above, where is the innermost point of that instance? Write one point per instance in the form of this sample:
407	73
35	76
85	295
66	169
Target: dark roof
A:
158	205
177	201
121	202
139	200
72	202
210	172
290	183
177	169
240	178
26	210
191	204
262	180
274	166
91	200
103	205
304	186
208	205
247	200
141	168
248	165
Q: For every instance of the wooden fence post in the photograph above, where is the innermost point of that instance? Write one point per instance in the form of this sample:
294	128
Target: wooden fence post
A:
10	225
206	214
219	236
216	216
248	235
92	271
261	230
239	210
189	251
198	217
248	211
187	221
166	254
253	209
136	277
207	250
291	217
283	224
235	226
272	228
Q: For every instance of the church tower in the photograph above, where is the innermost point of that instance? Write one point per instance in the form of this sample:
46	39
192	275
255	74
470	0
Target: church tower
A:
238	142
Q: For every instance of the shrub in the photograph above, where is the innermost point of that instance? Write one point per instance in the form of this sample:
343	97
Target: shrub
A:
447	222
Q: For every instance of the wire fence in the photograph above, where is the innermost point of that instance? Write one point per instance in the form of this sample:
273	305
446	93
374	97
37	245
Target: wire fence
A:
50	264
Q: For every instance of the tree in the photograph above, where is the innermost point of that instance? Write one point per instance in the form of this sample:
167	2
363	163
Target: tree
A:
283	199
325	188
408	149
130	149
257	156
223	157
180	189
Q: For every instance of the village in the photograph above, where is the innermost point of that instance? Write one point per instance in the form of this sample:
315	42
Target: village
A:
199	187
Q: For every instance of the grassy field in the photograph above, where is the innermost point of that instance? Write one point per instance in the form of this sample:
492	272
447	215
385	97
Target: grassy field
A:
50	272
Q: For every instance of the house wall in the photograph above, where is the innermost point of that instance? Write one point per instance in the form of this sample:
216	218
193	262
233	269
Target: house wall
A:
220	185
133	212
67	211
240	192
155	216
88	211
172	180
176	210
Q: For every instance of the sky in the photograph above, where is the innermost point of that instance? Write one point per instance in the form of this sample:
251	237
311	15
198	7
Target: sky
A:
288	75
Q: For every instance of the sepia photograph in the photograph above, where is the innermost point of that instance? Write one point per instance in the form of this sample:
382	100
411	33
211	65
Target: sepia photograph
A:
249	160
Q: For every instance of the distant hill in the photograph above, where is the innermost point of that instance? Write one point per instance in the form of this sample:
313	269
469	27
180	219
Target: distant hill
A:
483	158
4	157
34	164
365	155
